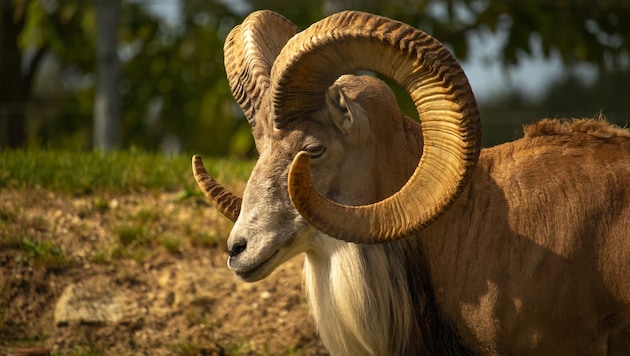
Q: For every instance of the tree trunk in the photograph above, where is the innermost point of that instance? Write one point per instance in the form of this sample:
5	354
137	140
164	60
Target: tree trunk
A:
107	110
13	89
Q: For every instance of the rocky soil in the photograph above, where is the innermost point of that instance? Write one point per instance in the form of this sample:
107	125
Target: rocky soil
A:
137	274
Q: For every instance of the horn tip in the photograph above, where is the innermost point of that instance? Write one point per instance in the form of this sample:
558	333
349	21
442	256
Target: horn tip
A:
197	165
301	164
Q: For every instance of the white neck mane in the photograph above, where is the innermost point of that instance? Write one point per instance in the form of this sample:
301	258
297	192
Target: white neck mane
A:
359	297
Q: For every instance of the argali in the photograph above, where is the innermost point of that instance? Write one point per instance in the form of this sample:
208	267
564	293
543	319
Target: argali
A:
418	241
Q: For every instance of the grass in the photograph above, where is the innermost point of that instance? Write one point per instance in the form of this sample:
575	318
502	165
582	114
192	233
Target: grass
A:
47	254
97	175
121	171
34	237
171	244
94	185
131	234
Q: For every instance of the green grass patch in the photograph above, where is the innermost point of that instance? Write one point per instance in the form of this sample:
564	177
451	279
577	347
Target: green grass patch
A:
100	205
121	171
137	235
131	234
172	244
46	254
101	257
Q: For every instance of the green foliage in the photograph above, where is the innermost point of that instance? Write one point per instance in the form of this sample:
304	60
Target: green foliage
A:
66	29
175	85
173	81
503	119
592	31
54	104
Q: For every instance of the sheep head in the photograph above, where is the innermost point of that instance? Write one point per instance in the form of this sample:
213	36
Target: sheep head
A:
316	124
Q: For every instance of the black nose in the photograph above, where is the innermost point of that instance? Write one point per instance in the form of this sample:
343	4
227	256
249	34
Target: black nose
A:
237	248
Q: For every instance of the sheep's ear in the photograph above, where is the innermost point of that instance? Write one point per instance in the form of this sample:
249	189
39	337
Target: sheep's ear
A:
349	117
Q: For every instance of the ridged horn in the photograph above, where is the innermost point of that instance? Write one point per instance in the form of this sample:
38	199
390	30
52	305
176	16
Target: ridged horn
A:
350	41
225	201
250	50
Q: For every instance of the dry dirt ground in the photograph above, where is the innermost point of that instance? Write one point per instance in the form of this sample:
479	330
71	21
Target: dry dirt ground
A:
137	274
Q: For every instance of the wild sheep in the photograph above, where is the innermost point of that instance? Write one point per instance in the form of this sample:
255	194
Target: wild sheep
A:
523	248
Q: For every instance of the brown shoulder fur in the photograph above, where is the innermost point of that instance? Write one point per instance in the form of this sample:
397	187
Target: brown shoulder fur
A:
597	127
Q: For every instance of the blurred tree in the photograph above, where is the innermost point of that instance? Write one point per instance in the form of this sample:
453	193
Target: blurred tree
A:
32	33
592	31
107	100
577	31
174	91
570	97
15	82
174	86
608	95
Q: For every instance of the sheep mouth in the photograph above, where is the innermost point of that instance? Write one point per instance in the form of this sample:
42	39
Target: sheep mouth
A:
260	271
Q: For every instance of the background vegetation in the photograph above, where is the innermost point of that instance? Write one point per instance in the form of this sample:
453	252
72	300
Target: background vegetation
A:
71	212
132	171
175	97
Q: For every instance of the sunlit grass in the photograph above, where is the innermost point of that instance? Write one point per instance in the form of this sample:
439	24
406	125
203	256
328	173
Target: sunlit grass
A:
121	171
69	212
96	176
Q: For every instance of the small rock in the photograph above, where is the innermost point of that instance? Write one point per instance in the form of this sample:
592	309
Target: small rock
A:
95	301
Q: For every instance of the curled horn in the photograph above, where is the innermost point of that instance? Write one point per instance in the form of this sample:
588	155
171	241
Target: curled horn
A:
227	203
249	53
351	41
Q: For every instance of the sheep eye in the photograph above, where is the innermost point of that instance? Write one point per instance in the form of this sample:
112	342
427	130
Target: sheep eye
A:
315	151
